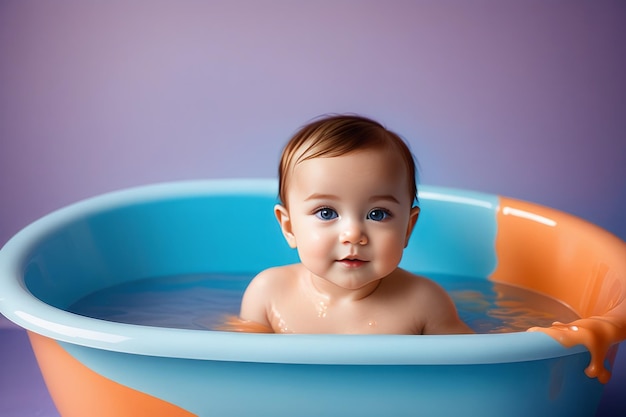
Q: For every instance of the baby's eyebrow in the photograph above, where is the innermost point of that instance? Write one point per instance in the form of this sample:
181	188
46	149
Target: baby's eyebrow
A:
385	197
374	198
318	196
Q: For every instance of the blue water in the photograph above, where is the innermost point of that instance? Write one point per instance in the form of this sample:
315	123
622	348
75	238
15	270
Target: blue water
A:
202	301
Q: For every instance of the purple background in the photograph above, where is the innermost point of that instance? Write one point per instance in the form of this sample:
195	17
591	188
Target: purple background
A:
525	99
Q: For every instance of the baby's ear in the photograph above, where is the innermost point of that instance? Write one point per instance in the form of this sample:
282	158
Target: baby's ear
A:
415	212
282	215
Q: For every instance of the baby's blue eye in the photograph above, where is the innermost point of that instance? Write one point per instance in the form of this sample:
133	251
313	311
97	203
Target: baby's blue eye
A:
378	215
326	214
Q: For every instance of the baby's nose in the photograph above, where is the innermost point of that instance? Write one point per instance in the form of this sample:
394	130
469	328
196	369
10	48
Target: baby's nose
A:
354	234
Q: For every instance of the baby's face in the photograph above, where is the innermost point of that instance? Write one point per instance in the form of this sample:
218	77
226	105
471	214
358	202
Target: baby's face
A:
350	216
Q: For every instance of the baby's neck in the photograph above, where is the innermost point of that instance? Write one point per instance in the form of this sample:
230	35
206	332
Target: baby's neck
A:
334	294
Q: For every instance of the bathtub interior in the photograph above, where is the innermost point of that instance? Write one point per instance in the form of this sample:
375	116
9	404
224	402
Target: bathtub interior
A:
183	235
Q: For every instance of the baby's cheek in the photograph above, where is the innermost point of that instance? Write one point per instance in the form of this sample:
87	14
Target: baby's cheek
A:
319	247
313	246
392	249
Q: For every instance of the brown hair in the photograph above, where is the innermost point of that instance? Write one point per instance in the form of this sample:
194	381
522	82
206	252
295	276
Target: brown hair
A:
337	135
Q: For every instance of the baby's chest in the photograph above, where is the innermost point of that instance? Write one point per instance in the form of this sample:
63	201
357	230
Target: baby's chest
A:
318	316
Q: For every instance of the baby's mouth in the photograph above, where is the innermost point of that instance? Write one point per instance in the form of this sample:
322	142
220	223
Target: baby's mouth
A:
352	262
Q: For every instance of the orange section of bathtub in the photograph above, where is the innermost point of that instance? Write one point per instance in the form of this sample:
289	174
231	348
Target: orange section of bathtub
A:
78	391
572	260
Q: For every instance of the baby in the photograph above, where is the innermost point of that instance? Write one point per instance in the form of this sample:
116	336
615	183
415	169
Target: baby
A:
347	187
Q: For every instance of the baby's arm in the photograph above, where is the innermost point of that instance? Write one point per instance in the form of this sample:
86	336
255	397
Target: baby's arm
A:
442	316
253	314
255	301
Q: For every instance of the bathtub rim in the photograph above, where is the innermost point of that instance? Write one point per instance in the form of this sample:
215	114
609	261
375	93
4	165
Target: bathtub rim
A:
32	314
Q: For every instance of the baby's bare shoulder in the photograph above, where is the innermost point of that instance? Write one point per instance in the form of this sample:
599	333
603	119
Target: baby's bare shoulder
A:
437	310
417	284
422	291
272	278
265	289
277	273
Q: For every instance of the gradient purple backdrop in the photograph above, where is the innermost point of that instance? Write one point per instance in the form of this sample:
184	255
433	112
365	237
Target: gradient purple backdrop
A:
525	99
